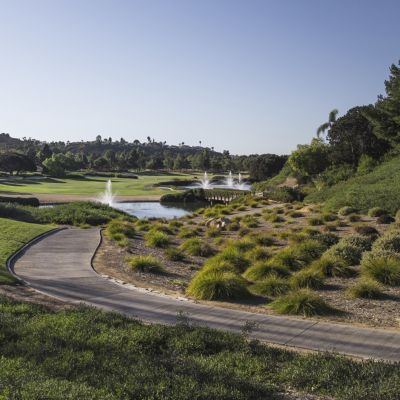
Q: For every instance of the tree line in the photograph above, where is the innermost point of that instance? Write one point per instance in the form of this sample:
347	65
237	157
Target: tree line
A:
106	154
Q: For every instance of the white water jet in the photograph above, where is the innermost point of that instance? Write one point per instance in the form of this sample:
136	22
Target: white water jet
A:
205	182
240	178
229	180
107	197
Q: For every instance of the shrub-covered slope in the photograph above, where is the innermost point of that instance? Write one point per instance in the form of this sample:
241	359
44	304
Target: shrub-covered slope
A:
379	188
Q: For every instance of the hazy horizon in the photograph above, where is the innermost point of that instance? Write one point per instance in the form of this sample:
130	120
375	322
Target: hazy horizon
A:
248	77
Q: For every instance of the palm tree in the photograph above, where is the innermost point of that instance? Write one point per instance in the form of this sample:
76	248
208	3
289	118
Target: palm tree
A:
327	125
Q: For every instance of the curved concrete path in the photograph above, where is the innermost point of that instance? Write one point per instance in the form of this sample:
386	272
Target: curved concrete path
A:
60	265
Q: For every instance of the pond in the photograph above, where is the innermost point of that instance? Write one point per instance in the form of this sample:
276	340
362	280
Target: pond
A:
156	210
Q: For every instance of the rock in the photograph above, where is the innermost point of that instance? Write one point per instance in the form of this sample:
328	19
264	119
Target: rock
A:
218	222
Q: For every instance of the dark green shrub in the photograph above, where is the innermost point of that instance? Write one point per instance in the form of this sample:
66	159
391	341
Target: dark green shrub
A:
377	212
366	230
315	221
301	302
354	218
329	217
22	201
351	255
363	243
74	213
385	219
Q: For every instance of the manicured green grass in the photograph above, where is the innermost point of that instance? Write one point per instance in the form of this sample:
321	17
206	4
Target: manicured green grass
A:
13	235
89	354
91	185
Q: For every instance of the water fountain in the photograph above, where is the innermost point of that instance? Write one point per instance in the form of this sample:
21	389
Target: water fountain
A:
205	182
229	180
240	178
107	196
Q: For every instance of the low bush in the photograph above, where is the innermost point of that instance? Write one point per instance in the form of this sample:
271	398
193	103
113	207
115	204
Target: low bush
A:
354	217
186	233
233	227
258	253
157	239
174	254
366	230
74	213
329	217
384	269
365	289
351	255
262	269
390	242
272	285
213	232
22	201
197	247
301	302
377	212
249	221
385	219
315	221
243	245
263	239
234	257
118	229
363	243
307	278
332	266
216	285
347	210
145	264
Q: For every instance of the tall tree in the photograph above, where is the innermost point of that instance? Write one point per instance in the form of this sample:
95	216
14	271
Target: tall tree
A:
327	125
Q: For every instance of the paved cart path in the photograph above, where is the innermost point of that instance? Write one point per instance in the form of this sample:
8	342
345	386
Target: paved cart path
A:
60	265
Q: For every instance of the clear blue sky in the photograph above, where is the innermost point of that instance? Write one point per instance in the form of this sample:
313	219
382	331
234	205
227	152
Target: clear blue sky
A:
248	76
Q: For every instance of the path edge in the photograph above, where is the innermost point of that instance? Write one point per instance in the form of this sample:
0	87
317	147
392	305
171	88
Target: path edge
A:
10	262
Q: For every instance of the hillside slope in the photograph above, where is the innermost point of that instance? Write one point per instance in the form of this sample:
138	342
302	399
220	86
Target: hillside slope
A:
379	188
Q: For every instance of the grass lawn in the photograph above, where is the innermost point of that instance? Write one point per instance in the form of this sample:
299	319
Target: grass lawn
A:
13	235
88	354
90	185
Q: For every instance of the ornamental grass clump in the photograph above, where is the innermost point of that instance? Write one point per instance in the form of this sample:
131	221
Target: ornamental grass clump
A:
366	230
389	242
381	268
197	247
271	285
347	210
120	228
145	264
258	253
174	254
157	239
301	302
377	212
262	269
217	285
385	220
307	278
329	265
365	288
